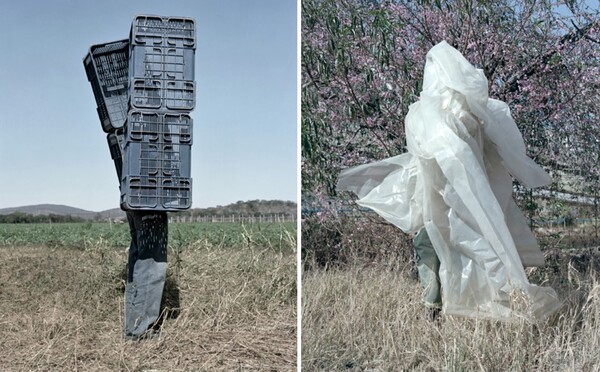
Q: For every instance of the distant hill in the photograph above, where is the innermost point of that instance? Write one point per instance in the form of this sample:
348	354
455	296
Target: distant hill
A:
253	207
48	209
64	210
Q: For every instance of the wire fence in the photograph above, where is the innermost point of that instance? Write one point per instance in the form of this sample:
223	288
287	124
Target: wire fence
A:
235	218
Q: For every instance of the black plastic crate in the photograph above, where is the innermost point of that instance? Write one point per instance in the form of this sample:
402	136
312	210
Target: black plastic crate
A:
116	142
162	95
156	193
153	30
107	69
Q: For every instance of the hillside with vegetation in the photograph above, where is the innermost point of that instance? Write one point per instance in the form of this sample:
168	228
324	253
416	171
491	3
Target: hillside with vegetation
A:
62	213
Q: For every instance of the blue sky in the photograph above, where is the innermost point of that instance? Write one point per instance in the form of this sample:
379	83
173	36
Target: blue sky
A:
52	148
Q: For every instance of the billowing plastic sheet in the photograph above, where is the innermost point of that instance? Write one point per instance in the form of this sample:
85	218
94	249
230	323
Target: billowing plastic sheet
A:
455	181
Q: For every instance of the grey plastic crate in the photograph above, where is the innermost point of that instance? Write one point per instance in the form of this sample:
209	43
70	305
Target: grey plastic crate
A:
162	95
153	30
107	69
161	63
156	193
156	159
152	126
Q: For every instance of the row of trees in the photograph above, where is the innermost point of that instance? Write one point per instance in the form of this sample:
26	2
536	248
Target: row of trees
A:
254	208
362	65
20	217
258	209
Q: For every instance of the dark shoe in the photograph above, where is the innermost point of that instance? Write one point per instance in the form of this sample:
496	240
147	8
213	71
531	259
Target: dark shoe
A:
433	314
148	335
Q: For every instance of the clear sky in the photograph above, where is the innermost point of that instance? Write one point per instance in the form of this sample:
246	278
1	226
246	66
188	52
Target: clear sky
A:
52	147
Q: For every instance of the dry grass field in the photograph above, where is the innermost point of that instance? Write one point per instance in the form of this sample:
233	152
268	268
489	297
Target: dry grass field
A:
61	306
366	315
362	311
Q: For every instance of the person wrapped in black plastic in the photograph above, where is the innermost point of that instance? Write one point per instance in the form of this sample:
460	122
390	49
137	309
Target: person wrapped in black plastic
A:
147	270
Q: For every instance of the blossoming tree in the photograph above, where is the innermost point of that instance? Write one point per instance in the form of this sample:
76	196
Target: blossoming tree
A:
362	62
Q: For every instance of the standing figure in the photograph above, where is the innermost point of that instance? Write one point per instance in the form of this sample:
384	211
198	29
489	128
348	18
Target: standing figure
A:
145	90
455	183
146	272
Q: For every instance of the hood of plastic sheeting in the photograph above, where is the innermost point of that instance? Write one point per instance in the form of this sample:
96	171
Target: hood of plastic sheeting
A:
455	181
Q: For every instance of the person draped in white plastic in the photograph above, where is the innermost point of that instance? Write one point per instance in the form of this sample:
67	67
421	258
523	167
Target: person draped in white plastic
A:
455	182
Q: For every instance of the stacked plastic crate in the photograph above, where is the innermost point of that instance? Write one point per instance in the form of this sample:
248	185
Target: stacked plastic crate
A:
145	91
107	69
158	130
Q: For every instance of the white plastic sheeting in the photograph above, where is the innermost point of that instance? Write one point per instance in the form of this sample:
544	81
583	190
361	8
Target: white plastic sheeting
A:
455	180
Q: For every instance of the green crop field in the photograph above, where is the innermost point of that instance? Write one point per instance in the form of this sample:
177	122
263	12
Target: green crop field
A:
281	236
230	295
